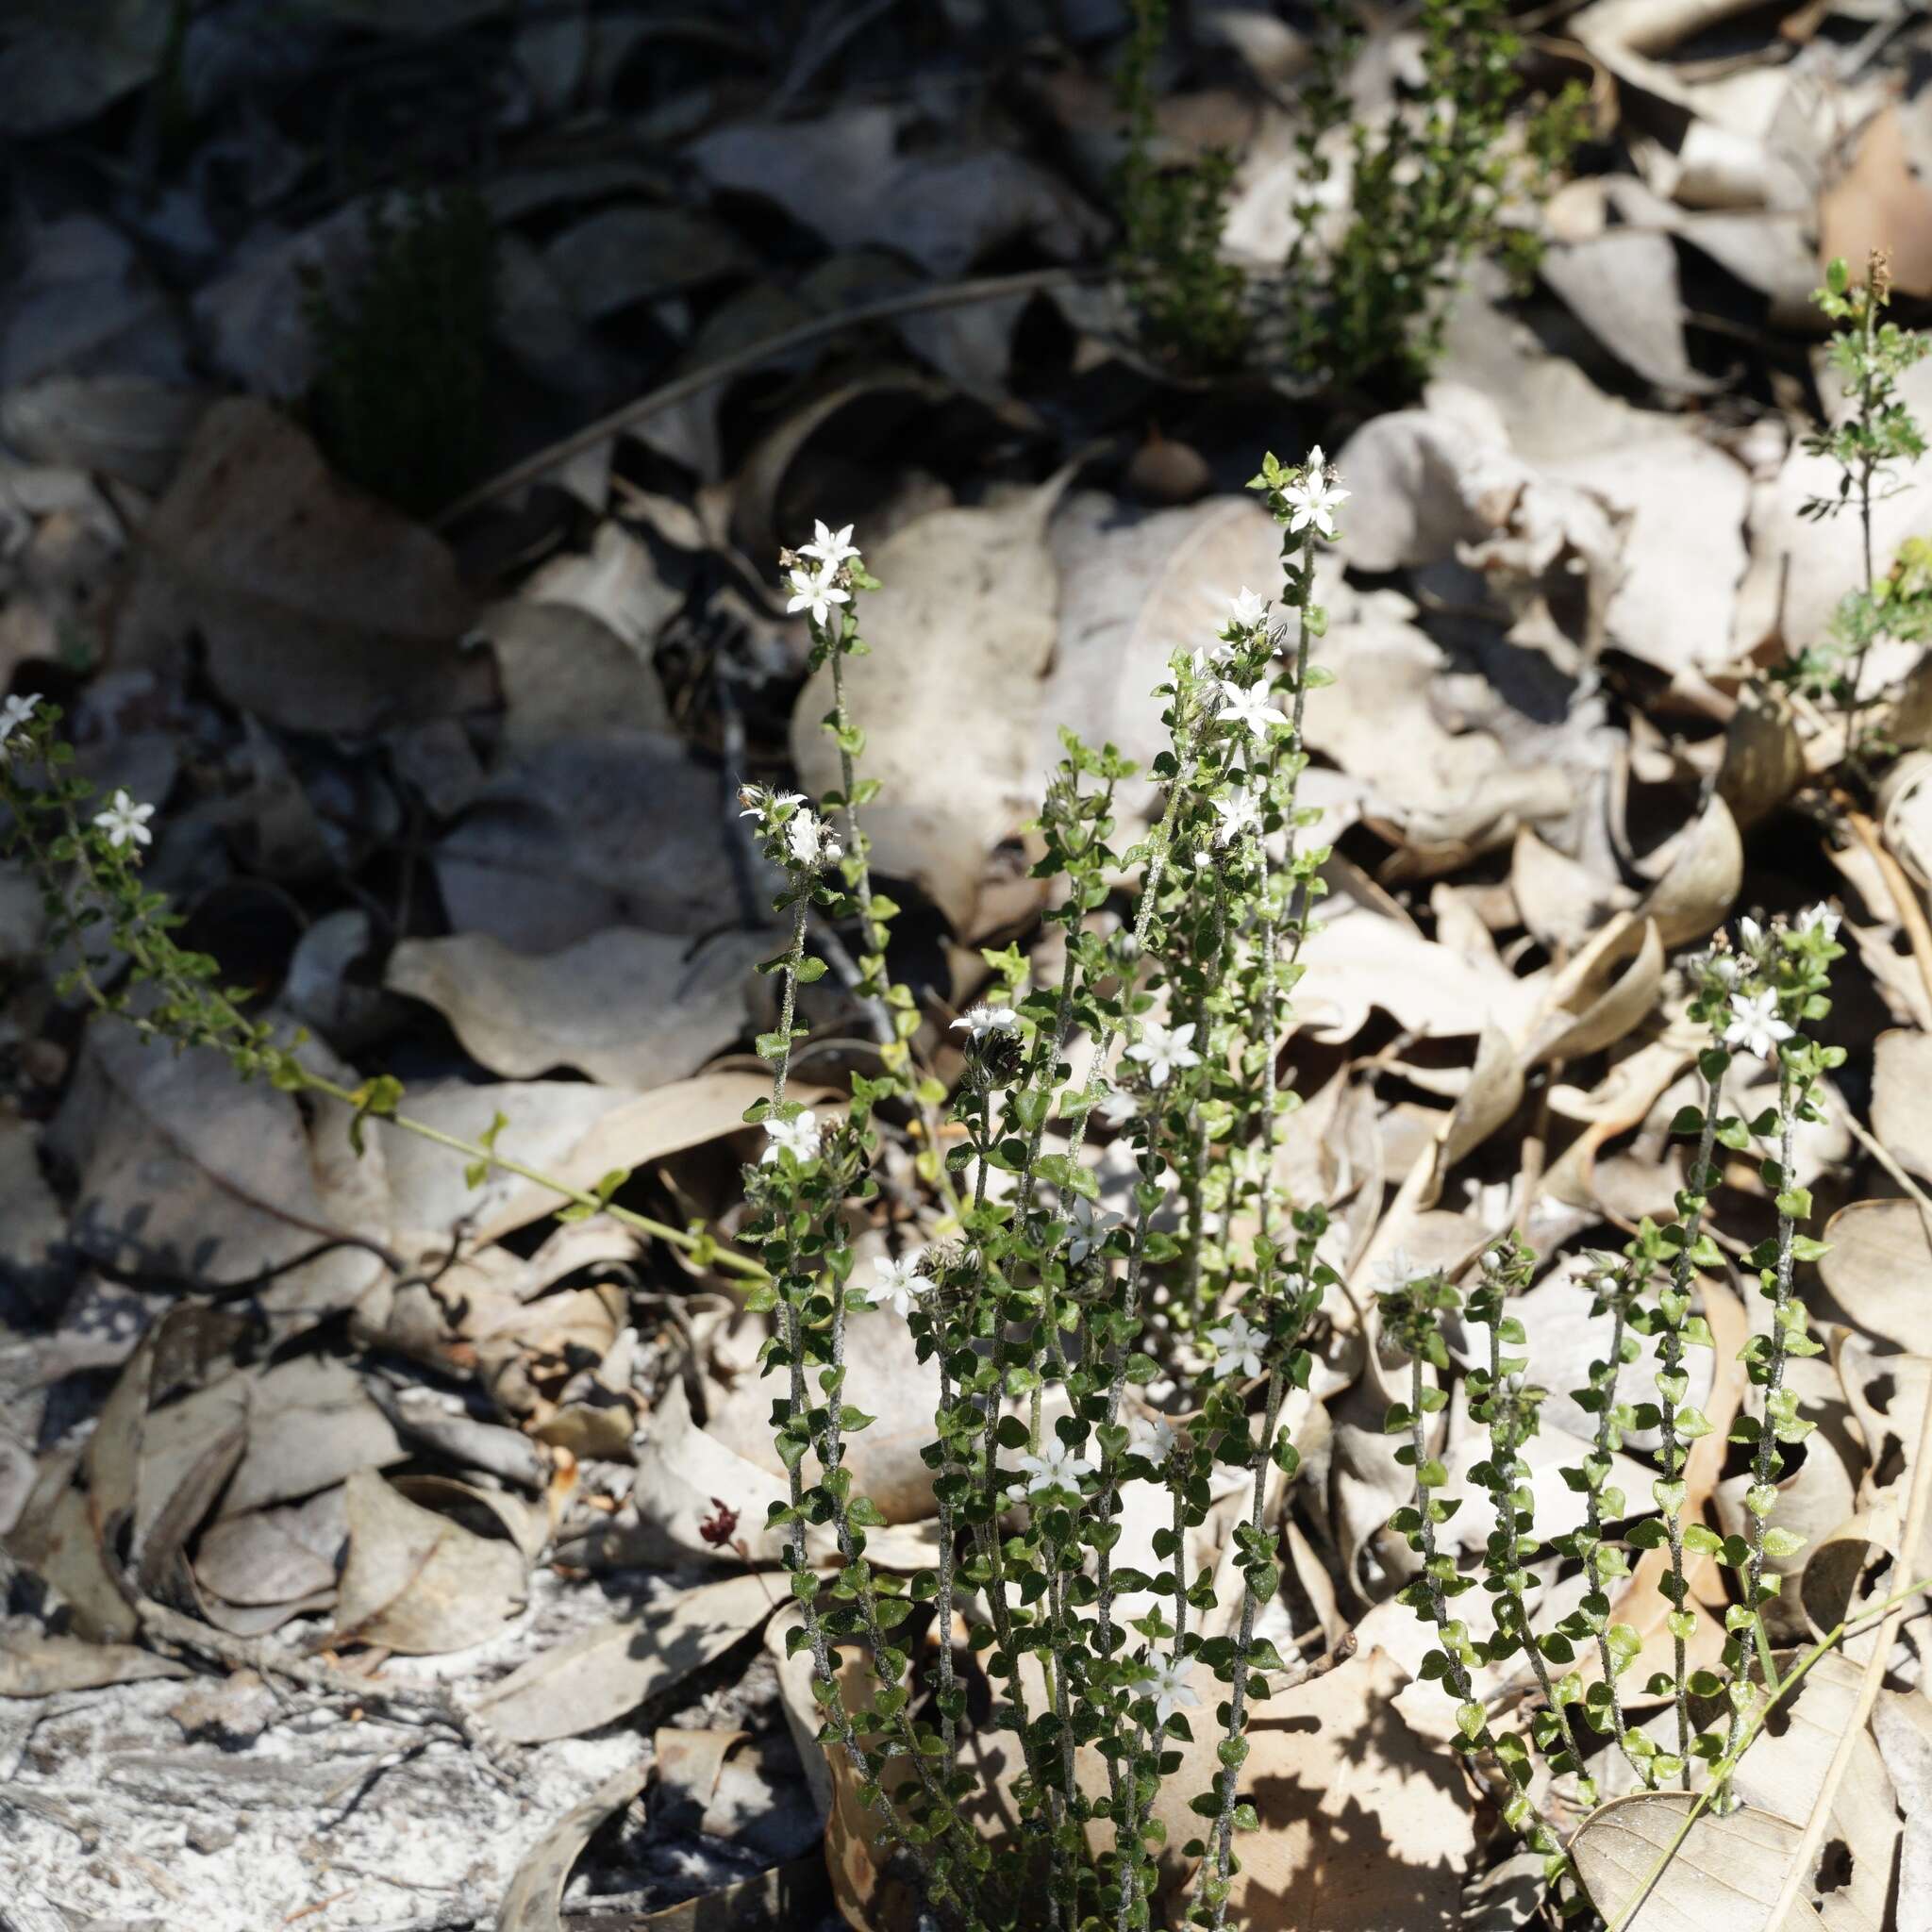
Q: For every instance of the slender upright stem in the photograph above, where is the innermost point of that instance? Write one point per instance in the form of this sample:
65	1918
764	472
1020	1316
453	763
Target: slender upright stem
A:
1674	1454
1593	1530
1766	1460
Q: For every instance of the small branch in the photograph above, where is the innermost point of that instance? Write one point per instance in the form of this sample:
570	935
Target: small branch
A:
913	301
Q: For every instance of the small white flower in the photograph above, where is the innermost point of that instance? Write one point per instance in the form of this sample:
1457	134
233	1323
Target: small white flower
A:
1117	1109
124	822
810	839
759	804
799	1138
13	714
1165	1680
1755	1025
1153	1441
1215	656
1395	1273
1056	1468
1248	609
982	1019
898	1284
1818	918
831	547
1237	1347
1089	1226
1315	498
1164	1049
817	595
1248	710
1240	813
1751	937
1724	968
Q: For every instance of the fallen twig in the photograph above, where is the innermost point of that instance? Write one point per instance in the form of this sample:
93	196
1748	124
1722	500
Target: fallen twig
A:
913	301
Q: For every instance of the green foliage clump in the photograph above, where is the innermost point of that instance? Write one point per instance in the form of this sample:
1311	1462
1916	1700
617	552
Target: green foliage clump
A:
1428	190
403	363
1878	432
1192	306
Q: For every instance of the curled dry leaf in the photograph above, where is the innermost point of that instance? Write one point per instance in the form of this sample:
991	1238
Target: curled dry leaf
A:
1724	1878
588	832
1878	1258
844	176
576	1132
1902	1097
962	636
321	610
1887	1395
1562	901
608	1670
1764	756
560	665
1681	503
1700	885
682	1470
1370	963
416	1582
534	1902
1458	792
1902	1722
184	1170
1618	1009
628	1009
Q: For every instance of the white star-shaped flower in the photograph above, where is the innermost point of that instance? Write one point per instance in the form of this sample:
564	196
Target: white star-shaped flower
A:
831	547
1755	1025
898	1284
1165	1680
1215	656
1818	918
1153	1441
1240	813
1394	1273
1117	1109
125	823
1315	498
1237	1347
1162	1050
982	1019
810	839
1248	609
817	595
799	1138
1055	1468
1248	710
15	713
1089	1226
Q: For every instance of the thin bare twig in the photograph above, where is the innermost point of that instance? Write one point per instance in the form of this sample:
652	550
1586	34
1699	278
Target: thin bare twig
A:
913	301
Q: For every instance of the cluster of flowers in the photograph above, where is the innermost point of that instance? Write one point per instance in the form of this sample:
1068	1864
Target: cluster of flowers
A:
1038	1285
1755	993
